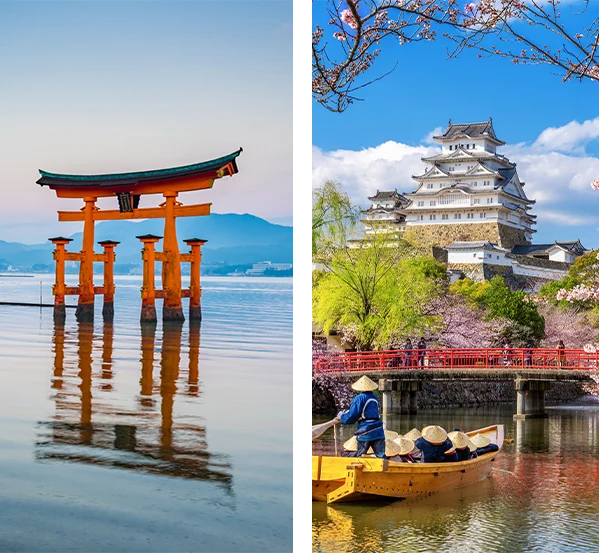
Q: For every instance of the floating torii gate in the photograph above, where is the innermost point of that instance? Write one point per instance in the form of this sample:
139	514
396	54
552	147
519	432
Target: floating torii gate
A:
128	189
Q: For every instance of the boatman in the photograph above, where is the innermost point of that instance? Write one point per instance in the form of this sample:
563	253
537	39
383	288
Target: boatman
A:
365	411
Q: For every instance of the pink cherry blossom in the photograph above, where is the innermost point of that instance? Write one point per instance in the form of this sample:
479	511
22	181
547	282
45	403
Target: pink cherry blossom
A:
595	184
348	18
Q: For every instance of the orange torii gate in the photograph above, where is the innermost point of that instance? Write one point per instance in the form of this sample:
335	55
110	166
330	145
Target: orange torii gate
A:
128	189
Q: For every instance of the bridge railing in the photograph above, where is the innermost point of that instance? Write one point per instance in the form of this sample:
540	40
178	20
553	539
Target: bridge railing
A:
458	358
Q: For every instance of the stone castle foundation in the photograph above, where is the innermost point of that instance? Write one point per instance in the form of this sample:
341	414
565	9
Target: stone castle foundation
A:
444	235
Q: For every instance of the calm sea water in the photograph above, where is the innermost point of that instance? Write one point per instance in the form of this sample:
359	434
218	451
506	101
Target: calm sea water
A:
542	495
171	439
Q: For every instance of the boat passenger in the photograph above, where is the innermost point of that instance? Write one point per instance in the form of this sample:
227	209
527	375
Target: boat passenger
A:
404	455
350	447
413	435
463	445
435	446
483	445
365	411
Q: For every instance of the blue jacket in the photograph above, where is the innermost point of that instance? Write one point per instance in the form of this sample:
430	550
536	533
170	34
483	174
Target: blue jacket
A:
463	454
487	449
432	453
364	410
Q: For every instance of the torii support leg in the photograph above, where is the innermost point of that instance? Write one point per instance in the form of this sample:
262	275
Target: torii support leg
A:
109	256
171	266
148	289
59	287
85	305
195	296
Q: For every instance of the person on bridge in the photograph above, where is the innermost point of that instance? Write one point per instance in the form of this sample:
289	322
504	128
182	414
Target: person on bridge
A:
365	411
528	356
561	354
435	446
408	349
421	351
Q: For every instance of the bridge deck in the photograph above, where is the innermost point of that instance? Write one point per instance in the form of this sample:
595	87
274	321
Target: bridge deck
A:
478	374
464	364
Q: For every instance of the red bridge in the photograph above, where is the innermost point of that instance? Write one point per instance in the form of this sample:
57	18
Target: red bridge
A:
515	359
401	373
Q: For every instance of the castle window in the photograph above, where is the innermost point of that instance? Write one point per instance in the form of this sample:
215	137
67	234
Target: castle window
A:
433	202
421	203
450	147
473	146
467	146
476	200
422	217
445	216
489	200
430	185
432	217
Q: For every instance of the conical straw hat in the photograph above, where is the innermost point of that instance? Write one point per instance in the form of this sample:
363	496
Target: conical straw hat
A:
413	434
450	450
434	434
471	445
351	444
391	449
391	435
364	384
405	445
458	439
481	441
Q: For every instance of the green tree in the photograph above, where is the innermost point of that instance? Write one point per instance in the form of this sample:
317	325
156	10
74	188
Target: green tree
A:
495	296
334	218
373	297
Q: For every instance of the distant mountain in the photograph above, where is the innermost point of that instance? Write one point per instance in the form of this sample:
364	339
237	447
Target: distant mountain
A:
232	240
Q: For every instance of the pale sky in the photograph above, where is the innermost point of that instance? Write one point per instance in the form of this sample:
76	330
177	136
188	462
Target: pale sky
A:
101	87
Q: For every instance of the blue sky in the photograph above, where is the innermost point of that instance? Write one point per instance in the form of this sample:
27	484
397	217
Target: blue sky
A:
377	143
98	87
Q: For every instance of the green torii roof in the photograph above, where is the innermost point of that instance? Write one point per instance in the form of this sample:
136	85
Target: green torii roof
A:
119	179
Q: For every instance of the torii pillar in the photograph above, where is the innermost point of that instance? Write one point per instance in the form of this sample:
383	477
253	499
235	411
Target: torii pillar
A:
109	256
148	289
59	288
85	305
195	290
172	309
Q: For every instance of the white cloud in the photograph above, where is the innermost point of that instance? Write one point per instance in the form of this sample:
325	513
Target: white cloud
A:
572	136
387	166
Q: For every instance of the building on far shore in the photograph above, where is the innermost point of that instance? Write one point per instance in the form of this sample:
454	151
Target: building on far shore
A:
260	268
470	202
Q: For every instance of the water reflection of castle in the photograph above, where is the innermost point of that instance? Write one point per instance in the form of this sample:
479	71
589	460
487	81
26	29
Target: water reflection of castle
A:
147	439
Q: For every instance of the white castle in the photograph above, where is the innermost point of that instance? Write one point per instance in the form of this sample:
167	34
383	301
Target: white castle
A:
470	201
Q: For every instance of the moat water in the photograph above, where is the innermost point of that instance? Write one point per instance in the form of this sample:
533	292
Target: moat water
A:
542	495
114	438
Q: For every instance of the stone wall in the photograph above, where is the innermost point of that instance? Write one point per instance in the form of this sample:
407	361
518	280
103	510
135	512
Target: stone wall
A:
443	235
460	394
510	237
473	271
448	394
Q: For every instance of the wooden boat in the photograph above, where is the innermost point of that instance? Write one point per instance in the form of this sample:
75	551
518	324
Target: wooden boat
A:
337	479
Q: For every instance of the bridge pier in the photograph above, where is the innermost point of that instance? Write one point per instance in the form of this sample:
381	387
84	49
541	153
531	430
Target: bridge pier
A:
530	398
406	391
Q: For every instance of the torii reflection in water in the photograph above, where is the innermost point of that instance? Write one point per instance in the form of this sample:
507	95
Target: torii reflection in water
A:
167	447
